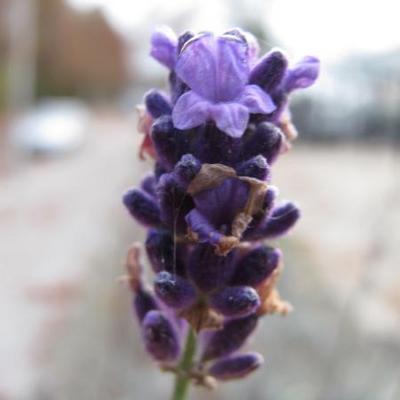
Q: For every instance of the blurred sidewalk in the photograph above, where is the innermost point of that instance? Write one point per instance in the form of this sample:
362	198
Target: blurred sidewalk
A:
55	215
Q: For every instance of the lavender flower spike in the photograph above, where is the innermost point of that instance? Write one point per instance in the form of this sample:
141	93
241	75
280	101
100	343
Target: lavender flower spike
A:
209	203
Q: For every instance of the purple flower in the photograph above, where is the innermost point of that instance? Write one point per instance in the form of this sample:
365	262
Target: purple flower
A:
216	69
208	203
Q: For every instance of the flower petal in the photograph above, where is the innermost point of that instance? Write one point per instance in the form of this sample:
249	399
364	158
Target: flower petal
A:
222	203
205	230
190	111
231	118
164	46
214	67
250	40
256	100
302	75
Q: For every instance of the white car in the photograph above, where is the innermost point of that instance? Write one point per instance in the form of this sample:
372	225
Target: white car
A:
53	126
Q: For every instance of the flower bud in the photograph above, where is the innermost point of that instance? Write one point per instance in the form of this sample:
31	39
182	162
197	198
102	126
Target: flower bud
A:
269	71
149	184
142	207
157	104
256	167
214	146
174	291
266	140
174	203
143	302
281	219
186	169
207	270
235	367
159	336
183	39
161	252
170	143
256	266
230	338
235	301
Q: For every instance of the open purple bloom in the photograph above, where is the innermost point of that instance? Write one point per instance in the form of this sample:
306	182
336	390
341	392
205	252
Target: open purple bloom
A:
216	69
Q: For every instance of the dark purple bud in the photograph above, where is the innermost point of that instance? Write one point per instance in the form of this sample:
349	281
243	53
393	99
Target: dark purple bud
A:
256	266
149	184
143	302
270	196
269	71
178	87
282	219
174	291
159	246
236	366
170	143
230	338
186	169
183	39
159	336
163	136
207	270
159	170
157	104
235	301
215	146
142	206
174	203
163	254
266	140
257	167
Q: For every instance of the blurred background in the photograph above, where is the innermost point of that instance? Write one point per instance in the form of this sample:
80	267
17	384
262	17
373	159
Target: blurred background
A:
71	73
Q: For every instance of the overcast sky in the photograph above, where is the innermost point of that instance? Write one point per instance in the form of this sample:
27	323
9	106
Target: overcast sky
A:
327	28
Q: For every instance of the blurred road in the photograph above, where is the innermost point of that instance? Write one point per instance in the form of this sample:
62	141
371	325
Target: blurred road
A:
56	215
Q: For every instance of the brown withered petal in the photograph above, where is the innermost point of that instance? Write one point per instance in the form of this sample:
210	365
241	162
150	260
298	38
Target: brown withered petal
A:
210	175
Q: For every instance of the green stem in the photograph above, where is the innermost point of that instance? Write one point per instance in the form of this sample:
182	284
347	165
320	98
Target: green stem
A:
182	380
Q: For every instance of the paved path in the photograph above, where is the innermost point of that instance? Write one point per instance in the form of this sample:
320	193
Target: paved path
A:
55	215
